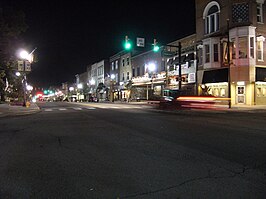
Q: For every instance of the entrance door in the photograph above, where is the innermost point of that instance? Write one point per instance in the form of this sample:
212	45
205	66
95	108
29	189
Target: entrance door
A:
240	95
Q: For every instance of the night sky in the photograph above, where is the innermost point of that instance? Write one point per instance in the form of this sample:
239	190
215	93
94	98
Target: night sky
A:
69	35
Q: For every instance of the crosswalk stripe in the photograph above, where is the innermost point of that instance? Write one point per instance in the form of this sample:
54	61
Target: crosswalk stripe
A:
48	109
62	109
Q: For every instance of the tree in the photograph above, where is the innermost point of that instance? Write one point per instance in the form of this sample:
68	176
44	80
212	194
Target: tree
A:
12	24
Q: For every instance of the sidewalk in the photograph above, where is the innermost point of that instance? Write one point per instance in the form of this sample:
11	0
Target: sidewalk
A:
12	110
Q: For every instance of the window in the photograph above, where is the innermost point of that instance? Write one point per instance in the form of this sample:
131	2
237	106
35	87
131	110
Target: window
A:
251	47
127	75
211	17
207	53
123	62
233	47
215	53
259	13
116	64
127	61
200	55
133	72
260	50
123	77
242	47
138	71
240	13
113	65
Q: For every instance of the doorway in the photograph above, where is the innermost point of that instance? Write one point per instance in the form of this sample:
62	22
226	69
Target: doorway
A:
240	95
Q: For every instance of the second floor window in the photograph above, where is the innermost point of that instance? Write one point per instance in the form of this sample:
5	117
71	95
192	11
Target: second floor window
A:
127	61
242	47
259	13
116	64
211	18
251	47
113	65
207	53
260	49
138	71
127	75
215	53
123	62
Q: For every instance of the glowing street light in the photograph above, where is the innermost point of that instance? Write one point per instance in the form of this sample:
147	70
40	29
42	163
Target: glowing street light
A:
80	86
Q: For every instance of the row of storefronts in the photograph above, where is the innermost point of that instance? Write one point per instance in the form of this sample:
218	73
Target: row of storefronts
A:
225	59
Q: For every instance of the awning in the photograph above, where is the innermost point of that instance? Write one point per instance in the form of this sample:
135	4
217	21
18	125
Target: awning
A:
260	74
215	76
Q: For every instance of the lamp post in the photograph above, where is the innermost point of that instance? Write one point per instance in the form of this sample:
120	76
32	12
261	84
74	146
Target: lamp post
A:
24	66
112	87
228	59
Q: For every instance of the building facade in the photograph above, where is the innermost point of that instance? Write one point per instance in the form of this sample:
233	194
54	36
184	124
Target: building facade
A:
230	38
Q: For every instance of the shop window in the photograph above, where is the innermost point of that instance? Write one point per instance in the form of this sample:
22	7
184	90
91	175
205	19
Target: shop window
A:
211	17
251	47
207	53
215	53
242	47
222	92
259	13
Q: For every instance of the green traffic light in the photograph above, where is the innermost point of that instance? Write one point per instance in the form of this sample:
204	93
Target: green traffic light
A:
128	46
156	48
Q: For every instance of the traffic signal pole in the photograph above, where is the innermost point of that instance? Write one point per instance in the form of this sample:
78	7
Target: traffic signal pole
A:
179	67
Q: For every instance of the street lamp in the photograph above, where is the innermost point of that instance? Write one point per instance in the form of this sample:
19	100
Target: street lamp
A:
151	66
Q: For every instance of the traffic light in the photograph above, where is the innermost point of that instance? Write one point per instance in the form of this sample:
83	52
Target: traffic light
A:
156	48
127	44
45	92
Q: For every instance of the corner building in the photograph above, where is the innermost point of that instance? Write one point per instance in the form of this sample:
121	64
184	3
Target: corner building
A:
236	67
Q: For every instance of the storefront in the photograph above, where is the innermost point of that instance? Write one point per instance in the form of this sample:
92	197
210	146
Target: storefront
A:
215	83
260	86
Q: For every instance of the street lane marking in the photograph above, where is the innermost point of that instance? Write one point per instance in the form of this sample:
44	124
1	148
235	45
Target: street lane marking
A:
48	109
90	108
62	109
78	109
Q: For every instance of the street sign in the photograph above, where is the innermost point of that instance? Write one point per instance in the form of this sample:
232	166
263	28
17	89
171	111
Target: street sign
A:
168	53
140	42
24	66
27	66
20	66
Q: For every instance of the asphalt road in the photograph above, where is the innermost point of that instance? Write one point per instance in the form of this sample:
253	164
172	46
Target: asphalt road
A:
115	151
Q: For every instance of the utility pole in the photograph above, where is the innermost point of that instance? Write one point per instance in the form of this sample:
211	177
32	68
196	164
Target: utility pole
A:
228	59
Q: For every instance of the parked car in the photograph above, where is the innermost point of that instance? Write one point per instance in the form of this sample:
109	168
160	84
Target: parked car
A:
93	99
